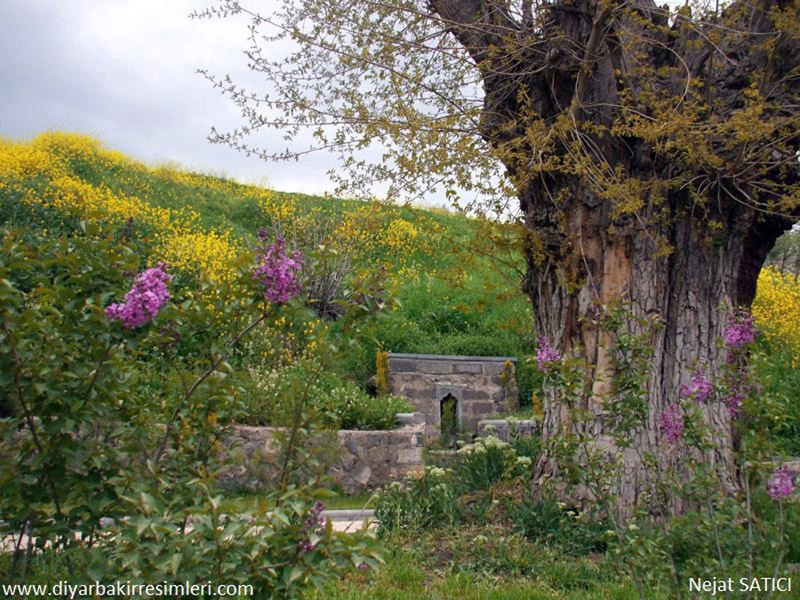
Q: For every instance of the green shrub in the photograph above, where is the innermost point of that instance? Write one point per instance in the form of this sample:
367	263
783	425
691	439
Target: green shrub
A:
423	501
775	416
489	459
115	425
337	402
557	525
440	496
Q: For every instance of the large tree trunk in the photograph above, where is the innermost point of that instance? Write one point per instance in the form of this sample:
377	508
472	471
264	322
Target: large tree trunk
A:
679	299
650	153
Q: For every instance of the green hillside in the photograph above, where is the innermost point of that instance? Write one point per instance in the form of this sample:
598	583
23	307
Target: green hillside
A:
440	288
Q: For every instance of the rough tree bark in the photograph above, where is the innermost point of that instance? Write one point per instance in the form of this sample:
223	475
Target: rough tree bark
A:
613	123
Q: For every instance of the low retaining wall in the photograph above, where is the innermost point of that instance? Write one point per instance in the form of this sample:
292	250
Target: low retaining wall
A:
358	461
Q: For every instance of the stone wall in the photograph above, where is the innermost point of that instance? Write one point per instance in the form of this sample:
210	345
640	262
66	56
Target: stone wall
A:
482	386
358	461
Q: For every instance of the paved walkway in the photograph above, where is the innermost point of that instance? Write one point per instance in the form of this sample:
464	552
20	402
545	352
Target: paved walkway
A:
350	520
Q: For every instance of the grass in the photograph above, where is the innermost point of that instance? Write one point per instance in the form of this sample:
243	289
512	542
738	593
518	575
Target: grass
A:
445	564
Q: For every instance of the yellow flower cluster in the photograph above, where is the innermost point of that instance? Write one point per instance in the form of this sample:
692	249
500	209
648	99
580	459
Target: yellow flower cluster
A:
277	208
359	229
276	345
776	309
369	232
209	254
42	171
399	235
24	162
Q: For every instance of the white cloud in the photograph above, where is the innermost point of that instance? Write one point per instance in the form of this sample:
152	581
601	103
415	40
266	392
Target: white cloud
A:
125	71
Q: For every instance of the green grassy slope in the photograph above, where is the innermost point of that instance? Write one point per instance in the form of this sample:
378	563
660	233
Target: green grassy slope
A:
451	297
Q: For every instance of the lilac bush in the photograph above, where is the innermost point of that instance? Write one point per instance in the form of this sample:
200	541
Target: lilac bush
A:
741	332
780	484
313	524
671	423
740	386
277	271
698	389
146	298
734	401
545	355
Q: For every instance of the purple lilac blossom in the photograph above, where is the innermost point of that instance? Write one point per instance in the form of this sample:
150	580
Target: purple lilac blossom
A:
277	271
734	401
671	423
148	295
313	524
698	389
780	485
739	389
545	354
315	521
741	332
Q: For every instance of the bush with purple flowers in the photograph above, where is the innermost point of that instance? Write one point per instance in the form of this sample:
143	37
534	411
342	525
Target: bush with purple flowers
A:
277	271
741	332
671	423
148	295
780	484
698	389
114	443
546	356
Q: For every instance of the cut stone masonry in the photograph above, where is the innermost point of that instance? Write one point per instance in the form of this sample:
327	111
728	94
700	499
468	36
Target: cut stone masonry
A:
482	386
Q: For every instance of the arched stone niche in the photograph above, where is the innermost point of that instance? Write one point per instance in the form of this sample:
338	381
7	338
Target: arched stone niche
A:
481	386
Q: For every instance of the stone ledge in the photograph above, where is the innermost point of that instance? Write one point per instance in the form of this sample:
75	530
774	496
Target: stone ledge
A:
453	358
357	460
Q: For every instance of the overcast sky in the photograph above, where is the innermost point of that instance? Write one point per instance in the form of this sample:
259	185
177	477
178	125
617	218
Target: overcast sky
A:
124	71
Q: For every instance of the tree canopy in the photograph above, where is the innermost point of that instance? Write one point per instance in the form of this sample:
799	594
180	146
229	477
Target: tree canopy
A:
486	95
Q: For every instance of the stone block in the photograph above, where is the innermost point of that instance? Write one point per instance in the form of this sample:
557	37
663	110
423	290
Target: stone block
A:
435	367
380	473
378	454
352	445
374	439
402	365
416	392
361	473
493	368
499	396
526	428
409	456
477	394
415	418
467	367
347	462
481	408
